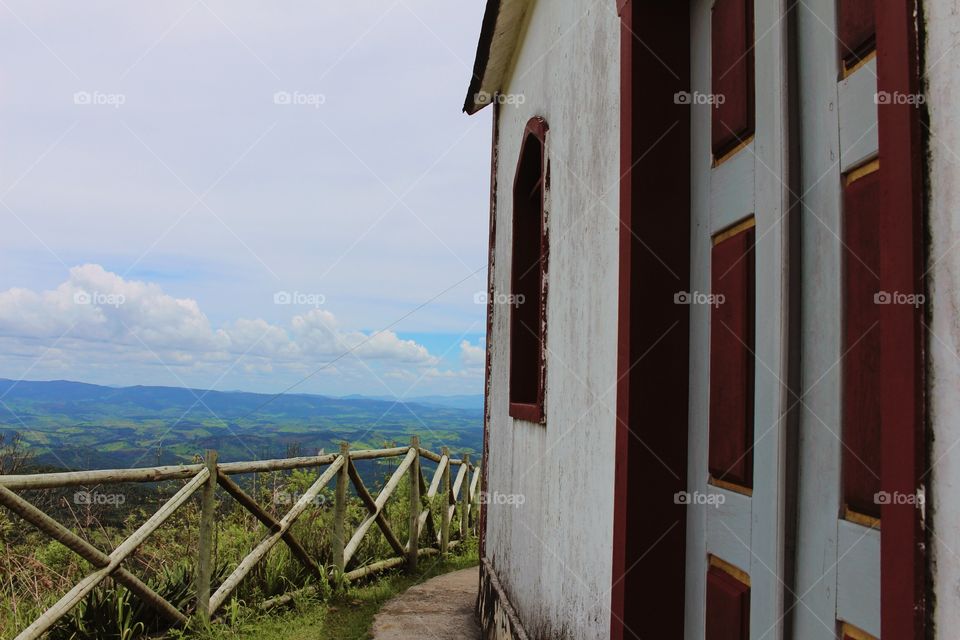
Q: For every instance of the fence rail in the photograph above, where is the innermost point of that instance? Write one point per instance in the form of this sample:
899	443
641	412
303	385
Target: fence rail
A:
205	478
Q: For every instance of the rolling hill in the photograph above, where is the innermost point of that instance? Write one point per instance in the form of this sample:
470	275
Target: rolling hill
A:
85	426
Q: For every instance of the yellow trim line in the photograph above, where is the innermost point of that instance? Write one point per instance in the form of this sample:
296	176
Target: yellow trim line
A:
735	572
862	171
729	232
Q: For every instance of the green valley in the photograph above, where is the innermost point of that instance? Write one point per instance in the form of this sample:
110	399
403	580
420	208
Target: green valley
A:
83	426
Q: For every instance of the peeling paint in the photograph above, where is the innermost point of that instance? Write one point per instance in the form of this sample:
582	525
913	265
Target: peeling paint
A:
942	91
553	555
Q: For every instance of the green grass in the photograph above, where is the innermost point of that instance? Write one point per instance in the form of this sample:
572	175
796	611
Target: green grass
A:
344	617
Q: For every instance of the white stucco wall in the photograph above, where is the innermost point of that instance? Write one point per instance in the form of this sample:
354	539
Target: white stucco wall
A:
553	554
942	24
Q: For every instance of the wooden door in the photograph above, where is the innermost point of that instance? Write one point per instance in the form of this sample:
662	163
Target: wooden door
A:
737	558
838	558
806	377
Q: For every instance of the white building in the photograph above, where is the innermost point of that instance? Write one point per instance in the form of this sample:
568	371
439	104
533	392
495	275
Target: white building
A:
723	341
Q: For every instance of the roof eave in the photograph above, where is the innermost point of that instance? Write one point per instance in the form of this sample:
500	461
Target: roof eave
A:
499	36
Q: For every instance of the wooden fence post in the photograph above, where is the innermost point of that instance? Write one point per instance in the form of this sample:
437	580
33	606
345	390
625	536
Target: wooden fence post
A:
207	519
465	499
340	508
414	535
445	503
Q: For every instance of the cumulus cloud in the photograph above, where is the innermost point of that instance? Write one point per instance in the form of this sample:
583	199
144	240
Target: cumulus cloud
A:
471	355
97	305
96	311
317	333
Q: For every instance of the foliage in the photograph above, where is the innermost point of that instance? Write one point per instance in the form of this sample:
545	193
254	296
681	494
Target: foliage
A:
14	454
36	571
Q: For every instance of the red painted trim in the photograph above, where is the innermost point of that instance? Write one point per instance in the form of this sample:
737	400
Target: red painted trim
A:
535	132
649	527
903	452
491	267
529	412
538	127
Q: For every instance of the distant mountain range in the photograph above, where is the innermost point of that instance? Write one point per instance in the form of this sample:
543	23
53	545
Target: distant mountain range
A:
453	402
79	425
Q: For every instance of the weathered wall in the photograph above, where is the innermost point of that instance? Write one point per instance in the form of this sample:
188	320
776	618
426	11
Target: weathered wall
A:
942	24
498	618
553	553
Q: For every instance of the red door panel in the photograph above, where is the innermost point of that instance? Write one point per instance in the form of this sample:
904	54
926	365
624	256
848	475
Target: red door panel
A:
856	28
733	80
861	365
728	607
732	360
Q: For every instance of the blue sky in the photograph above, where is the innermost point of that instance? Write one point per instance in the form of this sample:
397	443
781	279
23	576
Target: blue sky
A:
234	195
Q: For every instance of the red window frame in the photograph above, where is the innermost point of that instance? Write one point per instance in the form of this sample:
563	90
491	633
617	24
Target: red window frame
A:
528	276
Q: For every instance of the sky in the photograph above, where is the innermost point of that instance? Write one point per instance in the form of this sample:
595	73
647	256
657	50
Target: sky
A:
243	195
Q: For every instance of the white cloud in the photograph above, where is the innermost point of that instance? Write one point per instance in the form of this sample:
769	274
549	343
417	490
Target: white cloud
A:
96	312
317	333
96	305
472	356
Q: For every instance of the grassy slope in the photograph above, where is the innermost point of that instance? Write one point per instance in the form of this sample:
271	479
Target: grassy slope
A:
347	617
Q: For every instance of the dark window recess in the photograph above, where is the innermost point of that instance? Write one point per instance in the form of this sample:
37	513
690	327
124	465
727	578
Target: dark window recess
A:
856	29
731	360
728	607
528	270
861	345
733	75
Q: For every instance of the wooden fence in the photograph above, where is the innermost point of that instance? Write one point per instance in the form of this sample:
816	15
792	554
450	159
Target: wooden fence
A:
462	489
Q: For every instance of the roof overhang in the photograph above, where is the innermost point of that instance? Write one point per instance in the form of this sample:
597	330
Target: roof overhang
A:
499	36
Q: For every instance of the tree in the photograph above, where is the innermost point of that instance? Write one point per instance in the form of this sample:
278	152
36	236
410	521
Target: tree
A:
14	454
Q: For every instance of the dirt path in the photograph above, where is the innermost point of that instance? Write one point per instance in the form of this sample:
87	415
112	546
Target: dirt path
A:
439	609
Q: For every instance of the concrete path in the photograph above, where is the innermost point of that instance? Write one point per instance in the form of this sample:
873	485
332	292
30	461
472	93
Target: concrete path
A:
438	609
